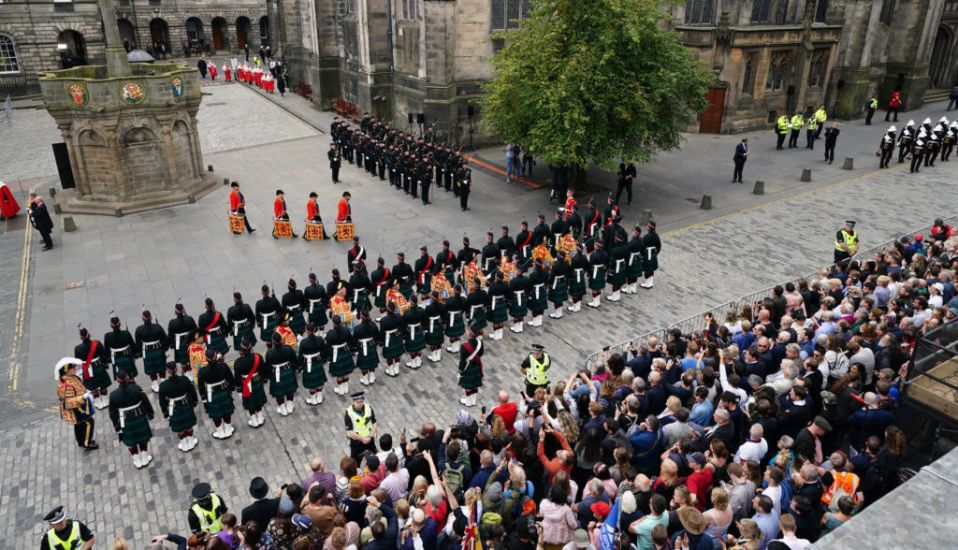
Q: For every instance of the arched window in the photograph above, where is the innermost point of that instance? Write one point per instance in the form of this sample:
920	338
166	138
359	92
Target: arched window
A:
8	55
698	12
820	10
776	71
748	79
760	11
506	14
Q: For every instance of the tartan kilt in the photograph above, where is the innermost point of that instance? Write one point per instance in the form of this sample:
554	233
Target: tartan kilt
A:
286	385
634	271
221	405
256	399
649	266
218	344
479	318
395	349
126	363
380	301
471	378
244	334
265	334
99	378
434	337
316	377
297	323
560	293
182	356
318	316
183	418
361	301
499	314
517	309
542	302
416	344
577	288
597	283
343	366
457	327
405	289
367	362
136	431
424	288
154	361
617	279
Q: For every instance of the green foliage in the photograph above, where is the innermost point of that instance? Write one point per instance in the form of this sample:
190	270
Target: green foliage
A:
594	81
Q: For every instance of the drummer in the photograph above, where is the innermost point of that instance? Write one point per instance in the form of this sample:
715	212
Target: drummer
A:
238	206
312	214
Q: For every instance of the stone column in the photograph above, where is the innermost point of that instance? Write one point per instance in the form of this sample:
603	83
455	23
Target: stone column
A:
116	61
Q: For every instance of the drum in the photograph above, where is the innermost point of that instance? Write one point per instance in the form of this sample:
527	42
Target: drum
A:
282	229
345	231
314	231
237	224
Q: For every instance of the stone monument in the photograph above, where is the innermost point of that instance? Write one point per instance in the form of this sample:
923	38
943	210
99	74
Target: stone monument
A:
130	131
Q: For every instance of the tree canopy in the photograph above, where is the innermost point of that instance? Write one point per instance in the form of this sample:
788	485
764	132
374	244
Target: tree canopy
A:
594	81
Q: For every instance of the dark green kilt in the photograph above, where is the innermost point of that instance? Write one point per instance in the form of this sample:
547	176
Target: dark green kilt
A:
417	344
650	266
126	362
634	271
370	361
183	418
577	287
256	399
617	279
380	300
542	302
393	345
244	334
471	378
343	366
221	405
136	431
318	316
424	288
479	317
359	300
558	291
518	308
457	327
154	361
181	356
500	313
316	377
405	289
286	385
267	332
597	282
218	344
434	337
99	378
297	323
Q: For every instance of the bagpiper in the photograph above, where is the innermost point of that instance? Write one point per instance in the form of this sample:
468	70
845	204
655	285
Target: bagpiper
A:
578	284
214	327
618	272
131	412
215	383
311	353
366	336
242	321
524	245
249	368
490	254
470	366
267	313
294	303
96	378
76	403
634	264
151	344
181	329
476	304
359	287
414	336
122	347
392	335
355	254
447	262
341	365
435	312
178	400
506	243
316	300
196	355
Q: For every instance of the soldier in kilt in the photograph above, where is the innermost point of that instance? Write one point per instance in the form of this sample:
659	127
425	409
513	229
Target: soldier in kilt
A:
215	384
634	266
178	400
470	366
338	342
214	326
391	329
96	378
403	273
121	348
180	329
131	412
248	380
598	267
538	293
242	321
518	299
559	284
498	305
425	266
617	267
651	246
316	300
476	306
455	319
311	352
151	345
380	279
414	333
435	313
294	303
281	364
267	313
577	283
359	287
366	335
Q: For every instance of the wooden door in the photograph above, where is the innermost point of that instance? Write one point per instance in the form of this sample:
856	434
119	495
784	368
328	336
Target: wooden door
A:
711	119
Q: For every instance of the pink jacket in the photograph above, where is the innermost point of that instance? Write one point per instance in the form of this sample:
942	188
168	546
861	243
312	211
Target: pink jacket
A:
558	522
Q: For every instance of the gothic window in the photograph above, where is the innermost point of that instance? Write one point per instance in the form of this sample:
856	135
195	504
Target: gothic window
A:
820	9
8	56
698	12
411	9
760	10
776	71
887	12
748	78
769	11
816	73
506	14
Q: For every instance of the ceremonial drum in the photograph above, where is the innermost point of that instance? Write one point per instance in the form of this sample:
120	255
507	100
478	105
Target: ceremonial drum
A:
314	231
345	231
282	229
236	223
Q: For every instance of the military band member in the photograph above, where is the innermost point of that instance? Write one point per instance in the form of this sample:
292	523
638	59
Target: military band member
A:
447	262
344	212
392	332
535	369
238	205
498	296
335	161
574	223
476	305
567	244
541	233
617	268
151	345
96	378
425	266
905	140
465	187
355	254
425	180
361	431
403	275
949	140
359	288
559	277
122	348
181	329
472	276
268	310
381	279
507	267
316	300
470	366
414	334
490	254
598	269
651	245
570	204
286	334
339	306
196	354
381	161
76	402
281	364
249	369
178	400
634	264
214	327
558	228
463	258
335	284
524	245
294	303
215	384
339	342
506	243
312	212
538	293
886	146
518	299
66	533
542	254
435	311
131	412
280	211
242	321
312	350
455	319
366	337
593	226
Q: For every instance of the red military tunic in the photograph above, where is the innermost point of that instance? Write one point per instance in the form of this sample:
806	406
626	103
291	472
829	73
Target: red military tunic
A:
279	208
344	211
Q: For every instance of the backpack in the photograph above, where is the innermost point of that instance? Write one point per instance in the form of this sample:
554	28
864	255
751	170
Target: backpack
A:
453	476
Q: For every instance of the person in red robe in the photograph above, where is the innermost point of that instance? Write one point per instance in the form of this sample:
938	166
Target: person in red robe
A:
227	73
345	212
212	68
8	203
569	204
238	205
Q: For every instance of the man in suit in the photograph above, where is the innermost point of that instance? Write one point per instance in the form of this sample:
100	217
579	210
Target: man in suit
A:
40	219
262	509
741	155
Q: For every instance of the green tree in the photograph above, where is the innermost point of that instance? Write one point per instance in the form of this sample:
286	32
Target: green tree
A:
594	81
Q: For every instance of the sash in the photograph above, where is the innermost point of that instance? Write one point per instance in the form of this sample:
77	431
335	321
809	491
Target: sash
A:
592	223
525	245
89	360
248	379
379	285
423	271
309	361
209	327
474	352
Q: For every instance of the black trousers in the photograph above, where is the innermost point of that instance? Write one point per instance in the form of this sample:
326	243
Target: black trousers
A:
809	139
382	172
781	140
885	158
829	152
83	431
946	151
902	153
464	200
916	158
623	186
335	169
414	188
358	449
930	157
47	241
245	219
737	174
793	139
425	192
890	111
868	116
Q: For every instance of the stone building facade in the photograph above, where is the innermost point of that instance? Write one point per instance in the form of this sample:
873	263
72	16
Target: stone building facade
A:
45	35
401	58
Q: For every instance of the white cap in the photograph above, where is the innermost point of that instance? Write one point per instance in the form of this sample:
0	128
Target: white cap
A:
892	129
926	121
910	123
943	119
954	124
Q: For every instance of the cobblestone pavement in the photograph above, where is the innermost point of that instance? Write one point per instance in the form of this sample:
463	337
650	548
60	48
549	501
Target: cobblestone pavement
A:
156	258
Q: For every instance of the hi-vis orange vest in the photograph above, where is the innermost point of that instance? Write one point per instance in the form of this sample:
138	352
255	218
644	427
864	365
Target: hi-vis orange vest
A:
847	482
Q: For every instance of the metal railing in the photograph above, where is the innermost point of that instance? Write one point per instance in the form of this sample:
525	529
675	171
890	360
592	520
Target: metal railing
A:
19	85
697	321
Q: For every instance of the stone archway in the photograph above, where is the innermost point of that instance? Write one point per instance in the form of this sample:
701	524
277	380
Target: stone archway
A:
72	48
142	155
160	32
127	33
243	26
195	34
939	66
220	34
264	30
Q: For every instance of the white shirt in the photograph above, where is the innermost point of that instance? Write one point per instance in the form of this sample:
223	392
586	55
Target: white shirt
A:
794	543
752	450
774	493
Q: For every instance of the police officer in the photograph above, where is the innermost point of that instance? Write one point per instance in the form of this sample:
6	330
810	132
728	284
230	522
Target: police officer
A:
535	367
207	510
870	110
65	533
846	242
335	161
360	420
781	130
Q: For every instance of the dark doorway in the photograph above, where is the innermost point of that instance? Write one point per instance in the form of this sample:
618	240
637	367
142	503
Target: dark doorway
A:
242	31
220	38
72	49
711	120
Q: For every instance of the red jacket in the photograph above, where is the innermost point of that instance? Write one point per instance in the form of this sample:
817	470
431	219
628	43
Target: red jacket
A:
895	99
279	207
236	201
343	212
553	466
312	209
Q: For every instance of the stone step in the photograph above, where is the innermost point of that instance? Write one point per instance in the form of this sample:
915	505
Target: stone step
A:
932	96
